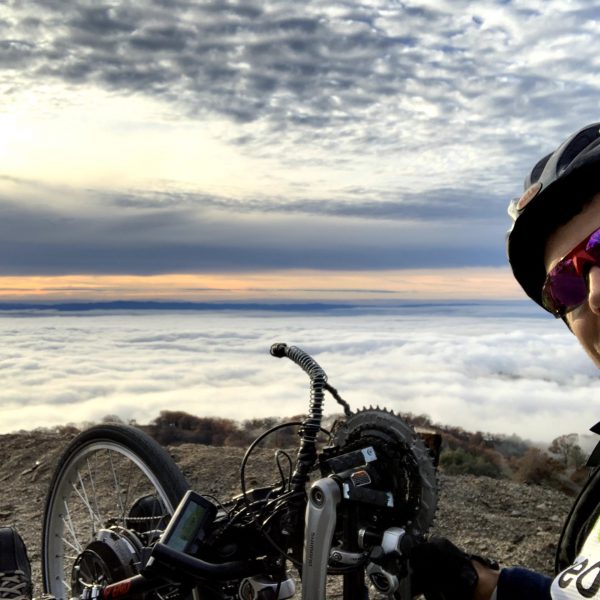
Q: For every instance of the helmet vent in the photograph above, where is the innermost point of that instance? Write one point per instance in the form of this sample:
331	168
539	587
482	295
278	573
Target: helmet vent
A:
539	167
579	143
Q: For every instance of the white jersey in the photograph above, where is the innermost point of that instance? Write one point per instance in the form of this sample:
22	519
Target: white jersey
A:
582	578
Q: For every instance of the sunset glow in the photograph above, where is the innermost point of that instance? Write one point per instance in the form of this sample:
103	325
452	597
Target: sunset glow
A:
277	285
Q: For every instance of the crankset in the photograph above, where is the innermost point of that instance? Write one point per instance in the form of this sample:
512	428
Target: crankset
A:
405	469
376	499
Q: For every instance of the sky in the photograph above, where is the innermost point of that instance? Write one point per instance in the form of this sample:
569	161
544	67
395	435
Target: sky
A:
483	368
278	149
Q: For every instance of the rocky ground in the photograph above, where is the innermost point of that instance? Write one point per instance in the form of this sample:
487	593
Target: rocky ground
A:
516	524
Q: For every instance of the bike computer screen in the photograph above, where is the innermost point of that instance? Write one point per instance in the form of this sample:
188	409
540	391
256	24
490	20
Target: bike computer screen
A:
187	526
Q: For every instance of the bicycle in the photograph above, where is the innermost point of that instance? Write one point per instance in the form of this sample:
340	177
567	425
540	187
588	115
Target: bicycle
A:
120	521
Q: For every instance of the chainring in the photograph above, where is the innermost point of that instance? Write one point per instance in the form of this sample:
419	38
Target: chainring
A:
408	464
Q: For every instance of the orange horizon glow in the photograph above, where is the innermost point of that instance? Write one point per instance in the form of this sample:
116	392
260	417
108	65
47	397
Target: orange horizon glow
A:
426	284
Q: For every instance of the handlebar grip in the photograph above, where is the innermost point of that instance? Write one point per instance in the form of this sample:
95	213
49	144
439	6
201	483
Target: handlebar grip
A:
279	350
306	362
198	568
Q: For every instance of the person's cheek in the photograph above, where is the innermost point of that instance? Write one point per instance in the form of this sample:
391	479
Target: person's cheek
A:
586	327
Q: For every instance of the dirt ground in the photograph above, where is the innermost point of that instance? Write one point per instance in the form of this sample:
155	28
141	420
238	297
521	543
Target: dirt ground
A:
513	523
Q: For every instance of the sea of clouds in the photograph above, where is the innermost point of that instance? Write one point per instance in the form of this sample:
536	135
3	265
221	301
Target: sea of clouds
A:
493	368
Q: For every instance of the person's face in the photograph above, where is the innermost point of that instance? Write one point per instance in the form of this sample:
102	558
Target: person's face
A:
584	321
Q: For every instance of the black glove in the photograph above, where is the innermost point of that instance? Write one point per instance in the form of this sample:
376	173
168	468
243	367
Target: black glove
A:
441	571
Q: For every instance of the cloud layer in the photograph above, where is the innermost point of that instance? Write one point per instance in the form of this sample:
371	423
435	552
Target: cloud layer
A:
157	233
322	68
341	133
480	368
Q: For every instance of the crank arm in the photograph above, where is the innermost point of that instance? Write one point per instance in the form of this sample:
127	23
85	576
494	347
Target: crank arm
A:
320	520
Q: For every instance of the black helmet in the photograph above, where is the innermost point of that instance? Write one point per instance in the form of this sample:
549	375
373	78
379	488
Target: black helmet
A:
555	191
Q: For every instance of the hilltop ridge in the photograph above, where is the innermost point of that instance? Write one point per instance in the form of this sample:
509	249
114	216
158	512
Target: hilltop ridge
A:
512	522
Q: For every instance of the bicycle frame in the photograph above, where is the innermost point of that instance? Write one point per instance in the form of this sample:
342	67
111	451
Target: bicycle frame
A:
376	496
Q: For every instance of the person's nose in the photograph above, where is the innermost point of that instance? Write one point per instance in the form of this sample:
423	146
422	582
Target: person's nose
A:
594	290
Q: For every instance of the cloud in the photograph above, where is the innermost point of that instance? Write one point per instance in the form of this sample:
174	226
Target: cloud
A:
373	135
398	204
471	366
159	232
396	76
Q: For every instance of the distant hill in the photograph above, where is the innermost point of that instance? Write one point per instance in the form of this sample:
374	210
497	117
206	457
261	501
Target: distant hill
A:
136	305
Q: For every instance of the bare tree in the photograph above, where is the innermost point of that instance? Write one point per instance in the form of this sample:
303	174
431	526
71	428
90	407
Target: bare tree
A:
568	450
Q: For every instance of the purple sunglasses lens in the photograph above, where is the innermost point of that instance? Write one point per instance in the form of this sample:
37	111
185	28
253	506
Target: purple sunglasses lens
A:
593	245
564	288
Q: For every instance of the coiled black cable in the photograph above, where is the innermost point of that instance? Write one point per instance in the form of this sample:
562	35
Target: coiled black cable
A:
307	452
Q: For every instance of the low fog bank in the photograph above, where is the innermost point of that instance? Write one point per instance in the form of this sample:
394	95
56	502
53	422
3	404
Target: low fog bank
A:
496	370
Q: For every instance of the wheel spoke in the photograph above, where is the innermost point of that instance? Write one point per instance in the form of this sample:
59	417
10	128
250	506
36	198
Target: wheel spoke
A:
117	488
82	493
94	495
127	489
73	546
71	529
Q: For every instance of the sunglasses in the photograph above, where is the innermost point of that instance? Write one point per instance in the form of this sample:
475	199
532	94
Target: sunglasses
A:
566	286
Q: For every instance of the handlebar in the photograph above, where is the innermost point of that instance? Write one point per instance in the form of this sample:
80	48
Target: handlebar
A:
156	576
198	568
306	362
307	453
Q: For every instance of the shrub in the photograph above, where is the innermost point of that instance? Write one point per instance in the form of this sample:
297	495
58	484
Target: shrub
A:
461	462
172	427
538	468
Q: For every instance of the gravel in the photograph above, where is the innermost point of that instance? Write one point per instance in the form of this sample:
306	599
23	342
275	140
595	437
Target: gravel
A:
515	524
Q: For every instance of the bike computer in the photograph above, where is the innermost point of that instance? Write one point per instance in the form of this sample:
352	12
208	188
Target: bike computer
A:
187	527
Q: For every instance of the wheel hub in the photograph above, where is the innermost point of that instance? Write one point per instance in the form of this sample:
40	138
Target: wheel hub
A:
114	554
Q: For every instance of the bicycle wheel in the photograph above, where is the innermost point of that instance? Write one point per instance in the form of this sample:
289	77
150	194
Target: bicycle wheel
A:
112	492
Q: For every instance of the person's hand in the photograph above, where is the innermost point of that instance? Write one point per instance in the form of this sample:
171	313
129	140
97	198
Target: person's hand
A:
441	571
